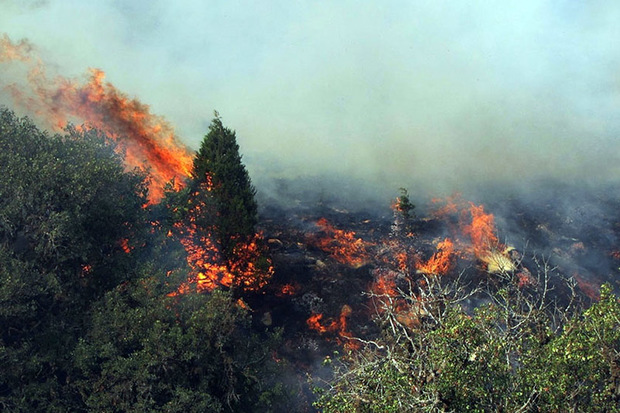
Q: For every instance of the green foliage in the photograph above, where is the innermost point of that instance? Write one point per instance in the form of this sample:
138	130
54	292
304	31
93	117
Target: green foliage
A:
88	320
218	208
66	207
220	181
508	356
189	353
66	202
581	368
404	205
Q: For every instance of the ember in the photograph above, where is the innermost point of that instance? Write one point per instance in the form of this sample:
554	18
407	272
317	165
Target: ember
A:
125	245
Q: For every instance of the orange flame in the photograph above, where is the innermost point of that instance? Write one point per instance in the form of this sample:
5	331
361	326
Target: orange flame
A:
209	268
386	297
124	243
148	140
446	207
287	290
589	288
314	323
10	51
481	231
384	284
338	326
441	262
479	227
204	258
343	246
86	269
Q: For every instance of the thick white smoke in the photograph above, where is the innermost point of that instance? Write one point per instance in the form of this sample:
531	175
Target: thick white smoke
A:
439	96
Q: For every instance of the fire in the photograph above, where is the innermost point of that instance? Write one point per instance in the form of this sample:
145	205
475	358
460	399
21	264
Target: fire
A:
441	262
314	323
245	268
337	326
86	269
209	269
287	290
10	51
589	288
403	261
124	243
343	246
149	142
446	207
479	228
384	291
386	297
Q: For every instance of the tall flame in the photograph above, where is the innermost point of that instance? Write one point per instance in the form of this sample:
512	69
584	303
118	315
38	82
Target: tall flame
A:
149	141
481	230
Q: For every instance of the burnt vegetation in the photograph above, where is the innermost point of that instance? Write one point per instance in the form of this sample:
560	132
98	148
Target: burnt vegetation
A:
202	301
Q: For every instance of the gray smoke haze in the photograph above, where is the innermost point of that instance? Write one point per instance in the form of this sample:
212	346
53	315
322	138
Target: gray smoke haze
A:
432	95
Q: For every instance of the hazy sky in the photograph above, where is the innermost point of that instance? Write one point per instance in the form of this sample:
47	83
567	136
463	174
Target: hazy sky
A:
400	93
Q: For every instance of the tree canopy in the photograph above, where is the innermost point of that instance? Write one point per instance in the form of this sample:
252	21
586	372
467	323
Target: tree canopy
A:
521	351
88	316
219	173
93	317
215	216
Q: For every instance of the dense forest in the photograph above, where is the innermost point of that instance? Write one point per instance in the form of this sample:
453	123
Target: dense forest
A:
111	302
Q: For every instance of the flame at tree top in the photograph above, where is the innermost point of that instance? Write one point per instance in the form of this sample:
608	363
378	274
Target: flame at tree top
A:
148	140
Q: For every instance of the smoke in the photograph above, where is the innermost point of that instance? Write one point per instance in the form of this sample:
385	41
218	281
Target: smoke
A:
433	96
147	140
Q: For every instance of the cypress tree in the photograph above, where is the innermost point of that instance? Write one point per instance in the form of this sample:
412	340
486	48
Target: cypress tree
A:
222	184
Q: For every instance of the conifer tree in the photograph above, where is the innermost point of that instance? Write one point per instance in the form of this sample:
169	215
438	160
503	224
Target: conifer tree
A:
221	180
220	216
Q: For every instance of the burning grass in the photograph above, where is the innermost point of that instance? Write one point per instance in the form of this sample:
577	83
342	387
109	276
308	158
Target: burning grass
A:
343	246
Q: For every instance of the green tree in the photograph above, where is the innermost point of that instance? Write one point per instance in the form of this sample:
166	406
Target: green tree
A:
71	224
221	181
215	216
403	215
147	351
519	352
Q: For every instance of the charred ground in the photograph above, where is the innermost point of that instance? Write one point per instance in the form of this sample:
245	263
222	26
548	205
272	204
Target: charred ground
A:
570	233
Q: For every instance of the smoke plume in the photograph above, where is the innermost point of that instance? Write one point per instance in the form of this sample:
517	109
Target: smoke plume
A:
148	140
433	96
